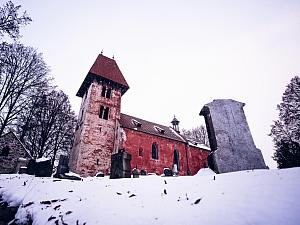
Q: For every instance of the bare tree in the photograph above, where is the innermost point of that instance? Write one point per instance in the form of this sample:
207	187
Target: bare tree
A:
10	21
47	125
198	134
23	73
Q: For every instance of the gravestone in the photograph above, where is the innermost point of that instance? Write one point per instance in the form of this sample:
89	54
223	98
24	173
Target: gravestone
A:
31	167
120	165
135	173
230	139
43	168
168	172
63	165
143	172
39	167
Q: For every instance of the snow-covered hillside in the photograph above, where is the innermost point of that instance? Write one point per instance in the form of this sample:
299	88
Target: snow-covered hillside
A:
247	197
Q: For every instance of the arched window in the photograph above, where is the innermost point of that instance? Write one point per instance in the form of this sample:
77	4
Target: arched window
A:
5	151
141	152
176	159
154	151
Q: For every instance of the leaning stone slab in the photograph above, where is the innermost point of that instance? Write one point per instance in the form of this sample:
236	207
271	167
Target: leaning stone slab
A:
230	139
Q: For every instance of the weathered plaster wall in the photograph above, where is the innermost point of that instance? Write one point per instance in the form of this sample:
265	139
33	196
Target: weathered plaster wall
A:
95	137
135	140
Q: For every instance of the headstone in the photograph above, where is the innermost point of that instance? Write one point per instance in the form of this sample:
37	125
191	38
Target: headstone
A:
67	176
120	165
168	172
143	173
22	170
31	167
43	168
135	173
100	174
63	165
39	167
230	139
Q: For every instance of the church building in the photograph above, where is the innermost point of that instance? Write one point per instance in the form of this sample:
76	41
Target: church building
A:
103	130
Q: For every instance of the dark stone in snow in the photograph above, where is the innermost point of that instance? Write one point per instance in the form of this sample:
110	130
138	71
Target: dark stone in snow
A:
64	176
135	173
39	168
120	165
168	172
197	201
100	174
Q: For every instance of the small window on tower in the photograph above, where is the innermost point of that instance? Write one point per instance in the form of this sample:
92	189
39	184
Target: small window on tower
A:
106	92
104	112
103	91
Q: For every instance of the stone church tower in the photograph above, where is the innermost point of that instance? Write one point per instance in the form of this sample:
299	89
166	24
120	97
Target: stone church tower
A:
98	121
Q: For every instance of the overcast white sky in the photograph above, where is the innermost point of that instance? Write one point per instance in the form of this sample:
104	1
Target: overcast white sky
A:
175	55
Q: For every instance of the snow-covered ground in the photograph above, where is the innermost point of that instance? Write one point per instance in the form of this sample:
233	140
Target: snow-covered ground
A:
247	197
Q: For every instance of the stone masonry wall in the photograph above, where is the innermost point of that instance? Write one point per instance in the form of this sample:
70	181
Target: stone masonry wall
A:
8	164
95	137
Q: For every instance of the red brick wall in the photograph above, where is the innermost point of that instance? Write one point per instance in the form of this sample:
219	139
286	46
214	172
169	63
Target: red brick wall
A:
134	140
197	159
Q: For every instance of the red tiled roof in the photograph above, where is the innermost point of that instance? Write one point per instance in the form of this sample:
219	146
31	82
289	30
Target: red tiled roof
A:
104	68
108	68
150	128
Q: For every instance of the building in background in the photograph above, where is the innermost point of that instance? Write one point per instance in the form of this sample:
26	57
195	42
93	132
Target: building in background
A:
103	130
13	154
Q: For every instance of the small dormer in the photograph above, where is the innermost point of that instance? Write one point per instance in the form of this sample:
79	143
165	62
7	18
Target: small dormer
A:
136	123
159	129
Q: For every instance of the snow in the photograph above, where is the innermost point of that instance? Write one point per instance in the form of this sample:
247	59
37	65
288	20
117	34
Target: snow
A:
198	145
43	159
175	132
246	197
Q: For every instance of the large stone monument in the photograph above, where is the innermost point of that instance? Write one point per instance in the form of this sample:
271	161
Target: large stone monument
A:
120	165
230	139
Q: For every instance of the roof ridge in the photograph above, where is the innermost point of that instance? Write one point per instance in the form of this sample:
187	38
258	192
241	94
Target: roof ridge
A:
146	120
13	133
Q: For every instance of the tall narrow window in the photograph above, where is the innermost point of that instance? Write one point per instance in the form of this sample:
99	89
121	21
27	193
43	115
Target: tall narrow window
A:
103	91
104	112
106	92
141	152
176	159
154	151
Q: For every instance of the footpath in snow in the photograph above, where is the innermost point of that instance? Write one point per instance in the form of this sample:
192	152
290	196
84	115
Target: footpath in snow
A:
247	197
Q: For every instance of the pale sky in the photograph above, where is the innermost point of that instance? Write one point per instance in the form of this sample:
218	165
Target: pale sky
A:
175	55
